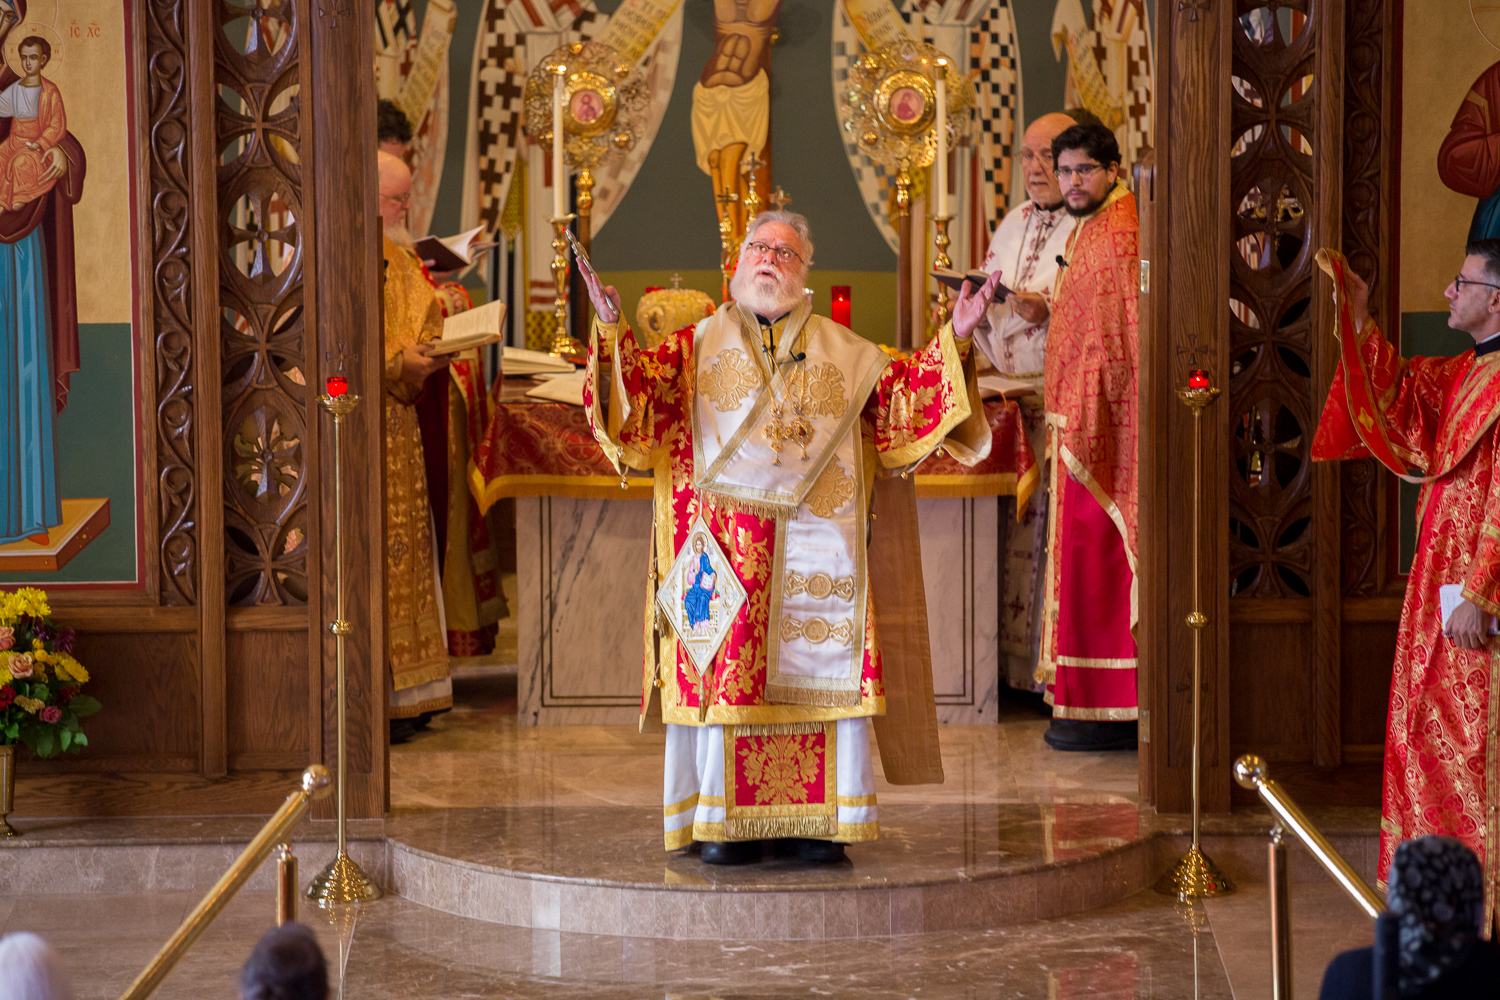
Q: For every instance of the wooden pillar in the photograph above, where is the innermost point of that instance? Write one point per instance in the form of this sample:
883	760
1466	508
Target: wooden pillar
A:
1185	317
344	275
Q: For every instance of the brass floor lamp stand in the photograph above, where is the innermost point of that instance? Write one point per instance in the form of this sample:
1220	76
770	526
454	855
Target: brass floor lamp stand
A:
1196	876
342	881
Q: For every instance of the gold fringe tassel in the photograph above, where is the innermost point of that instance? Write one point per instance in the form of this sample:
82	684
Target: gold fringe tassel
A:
771	827
739	505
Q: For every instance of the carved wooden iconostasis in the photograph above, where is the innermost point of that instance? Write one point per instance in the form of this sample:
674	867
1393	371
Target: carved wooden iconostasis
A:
227	257
1302	591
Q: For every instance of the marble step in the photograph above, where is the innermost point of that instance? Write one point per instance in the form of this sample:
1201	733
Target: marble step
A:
936	868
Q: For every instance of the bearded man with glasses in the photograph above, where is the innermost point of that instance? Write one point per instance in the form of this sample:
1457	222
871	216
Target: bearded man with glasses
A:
1088	655
774	431
1437	417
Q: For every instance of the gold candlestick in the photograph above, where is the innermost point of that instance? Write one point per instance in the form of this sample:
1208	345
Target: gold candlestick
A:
752	193
563	344
942	260
1196	876
343	881
726	239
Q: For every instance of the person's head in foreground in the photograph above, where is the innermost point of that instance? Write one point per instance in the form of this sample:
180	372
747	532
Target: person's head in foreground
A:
774	261
287	964
29	970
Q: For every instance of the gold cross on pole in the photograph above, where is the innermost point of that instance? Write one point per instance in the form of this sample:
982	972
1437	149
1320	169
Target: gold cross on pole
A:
779	198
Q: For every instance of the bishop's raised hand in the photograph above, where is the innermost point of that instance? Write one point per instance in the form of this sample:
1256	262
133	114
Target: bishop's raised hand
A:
605	298
969	308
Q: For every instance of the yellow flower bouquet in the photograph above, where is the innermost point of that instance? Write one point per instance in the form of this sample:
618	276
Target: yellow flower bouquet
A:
40	681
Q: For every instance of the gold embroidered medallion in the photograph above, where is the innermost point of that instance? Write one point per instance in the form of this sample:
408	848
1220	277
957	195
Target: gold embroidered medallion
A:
817	630
819	585
823	387
729	380
833	489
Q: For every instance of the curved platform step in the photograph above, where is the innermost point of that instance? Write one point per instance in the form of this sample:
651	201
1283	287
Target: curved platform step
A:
602	870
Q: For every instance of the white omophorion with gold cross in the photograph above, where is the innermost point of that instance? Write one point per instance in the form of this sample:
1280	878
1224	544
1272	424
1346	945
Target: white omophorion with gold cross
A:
780	437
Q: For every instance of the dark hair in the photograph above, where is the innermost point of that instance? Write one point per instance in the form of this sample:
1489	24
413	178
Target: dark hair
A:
1095	140
1490	251
391	122
39	42
287	964
1083	116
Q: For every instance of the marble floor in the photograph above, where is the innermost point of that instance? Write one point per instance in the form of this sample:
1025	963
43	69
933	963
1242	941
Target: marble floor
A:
1142	946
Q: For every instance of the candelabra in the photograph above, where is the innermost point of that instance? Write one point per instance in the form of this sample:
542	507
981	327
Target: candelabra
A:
942	261
343	881
1196	876
563	344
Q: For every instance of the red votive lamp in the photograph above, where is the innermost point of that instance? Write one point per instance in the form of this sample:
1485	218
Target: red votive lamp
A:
337	386
651	288
1197	379
840	307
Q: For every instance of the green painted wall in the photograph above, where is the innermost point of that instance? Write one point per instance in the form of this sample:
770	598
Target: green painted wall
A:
96	455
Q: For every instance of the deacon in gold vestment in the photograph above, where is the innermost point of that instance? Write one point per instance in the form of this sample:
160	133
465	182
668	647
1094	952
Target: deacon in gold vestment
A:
417	650
767	428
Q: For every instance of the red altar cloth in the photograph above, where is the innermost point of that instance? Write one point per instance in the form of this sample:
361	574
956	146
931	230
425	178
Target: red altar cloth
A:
534	447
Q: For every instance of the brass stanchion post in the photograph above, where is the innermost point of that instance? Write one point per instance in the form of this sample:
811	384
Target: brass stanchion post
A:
1281	916
1196	876
286	885
342	881
903	259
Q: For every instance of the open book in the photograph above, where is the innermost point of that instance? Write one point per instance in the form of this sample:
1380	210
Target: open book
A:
449	253
991	386
519	361
560	388
469	329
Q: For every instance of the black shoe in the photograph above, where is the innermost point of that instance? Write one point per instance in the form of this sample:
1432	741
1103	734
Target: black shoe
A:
730	852
818	852
402	731
1087	736
422	721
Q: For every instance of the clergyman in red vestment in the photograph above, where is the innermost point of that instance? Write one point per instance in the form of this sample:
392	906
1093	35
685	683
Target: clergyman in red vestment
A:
1088	655
1436	415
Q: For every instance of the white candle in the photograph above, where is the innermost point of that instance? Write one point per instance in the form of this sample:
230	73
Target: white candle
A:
940	164
559	180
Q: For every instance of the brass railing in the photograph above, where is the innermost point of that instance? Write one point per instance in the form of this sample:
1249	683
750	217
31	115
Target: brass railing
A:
315	785
1250	772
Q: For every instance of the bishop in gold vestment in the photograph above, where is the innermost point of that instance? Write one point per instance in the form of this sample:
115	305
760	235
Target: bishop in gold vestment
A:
767	428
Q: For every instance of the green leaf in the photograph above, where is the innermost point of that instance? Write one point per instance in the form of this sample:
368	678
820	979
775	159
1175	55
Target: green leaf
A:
83	705
67	739
80	740
45	745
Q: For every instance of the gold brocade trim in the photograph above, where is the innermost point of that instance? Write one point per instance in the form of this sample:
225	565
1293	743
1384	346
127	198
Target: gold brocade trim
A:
832	490
740	715
430	705
1483	604
676	840
855	833
435	670
1390	826
1490	530
773	827
856	801
817	630
678	808
953	375
729	380
1095	714
779	729
847	833
812	697
819	585
1102	663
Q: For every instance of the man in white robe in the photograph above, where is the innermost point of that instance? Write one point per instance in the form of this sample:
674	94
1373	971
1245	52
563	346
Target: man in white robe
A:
1025	251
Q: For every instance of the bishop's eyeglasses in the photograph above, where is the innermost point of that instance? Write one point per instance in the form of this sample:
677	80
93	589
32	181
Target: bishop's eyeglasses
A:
784	254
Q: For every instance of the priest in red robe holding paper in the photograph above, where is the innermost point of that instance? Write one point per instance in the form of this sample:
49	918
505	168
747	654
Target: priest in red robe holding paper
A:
1436	415
1088	656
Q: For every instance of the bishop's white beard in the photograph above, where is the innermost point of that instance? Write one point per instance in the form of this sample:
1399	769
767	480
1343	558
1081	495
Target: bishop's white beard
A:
767	296
400	235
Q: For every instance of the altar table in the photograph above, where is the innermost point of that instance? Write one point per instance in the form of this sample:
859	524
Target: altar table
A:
581	553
